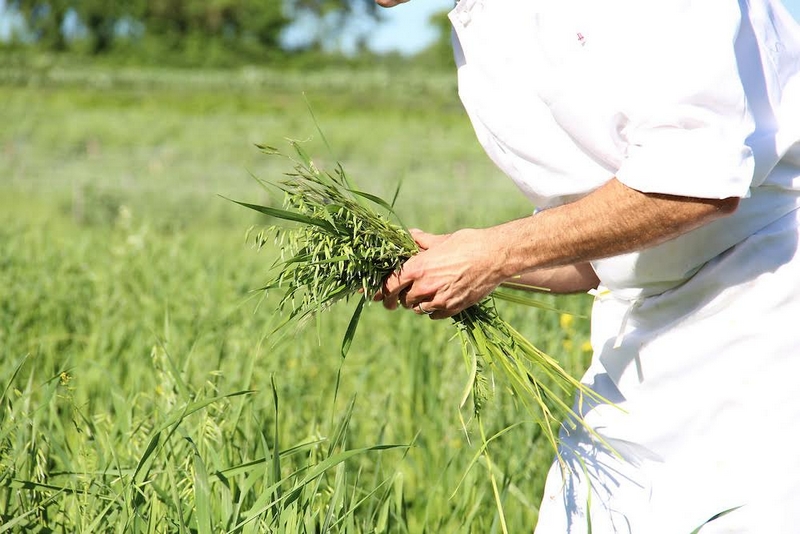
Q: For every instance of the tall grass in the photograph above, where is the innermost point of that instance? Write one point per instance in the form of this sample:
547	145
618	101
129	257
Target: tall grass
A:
139	390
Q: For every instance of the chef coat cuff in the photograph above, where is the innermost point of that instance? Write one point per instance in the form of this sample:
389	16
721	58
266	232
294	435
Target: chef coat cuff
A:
693	163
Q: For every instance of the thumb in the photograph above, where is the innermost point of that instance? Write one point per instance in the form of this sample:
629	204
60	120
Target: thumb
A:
425	240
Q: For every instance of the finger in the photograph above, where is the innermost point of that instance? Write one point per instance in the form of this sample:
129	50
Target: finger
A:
423	308
389	303
392	286
439	312
426	308
402	298
425	240
413	295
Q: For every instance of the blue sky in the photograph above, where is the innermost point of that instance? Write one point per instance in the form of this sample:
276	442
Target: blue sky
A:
405	28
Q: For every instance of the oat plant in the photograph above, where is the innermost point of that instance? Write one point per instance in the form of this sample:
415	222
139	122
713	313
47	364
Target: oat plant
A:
338	242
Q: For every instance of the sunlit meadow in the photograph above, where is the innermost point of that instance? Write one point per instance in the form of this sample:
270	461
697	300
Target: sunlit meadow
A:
143	387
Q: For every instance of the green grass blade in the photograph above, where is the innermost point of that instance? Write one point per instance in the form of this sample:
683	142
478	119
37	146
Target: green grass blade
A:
337	497
352	326
176	417
335	459
202	493
715	517
480	452
373	198
276	457
319	129
311	475
340	433
247	467
14	374
516	297
8	526
305	159
396	193
287	215
493	479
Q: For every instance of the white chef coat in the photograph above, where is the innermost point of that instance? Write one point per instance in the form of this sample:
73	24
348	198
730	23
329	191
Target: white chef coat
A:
691	338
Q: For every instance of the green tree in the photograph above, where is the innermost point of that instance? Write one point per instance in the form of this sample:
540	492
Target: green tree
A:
44	21
101	17
439	55
236	23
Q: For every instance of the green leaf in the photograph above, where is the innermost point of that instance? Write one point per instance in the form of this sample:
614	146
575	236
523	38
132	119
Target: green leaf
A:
336	498
324	138
343	175
373	198
287	215
351	328
177	416
516	297
11	524
300	258
276	457
305	159
312	474
334	460
258	464
716	516
396	193
13	376
202	493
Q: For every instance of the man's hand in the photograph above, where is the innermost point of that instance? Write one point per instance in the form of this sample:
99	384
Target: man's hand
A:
454	272
451	273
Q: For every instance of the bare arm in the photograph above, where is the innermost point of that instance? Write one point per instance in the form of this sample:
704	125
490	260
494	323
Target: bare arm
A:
615	219
562	279
565	279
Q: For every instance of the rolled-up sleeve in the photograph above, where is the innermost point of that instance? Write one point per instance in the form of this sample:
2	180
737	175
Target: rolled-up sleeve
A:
700	160
687	115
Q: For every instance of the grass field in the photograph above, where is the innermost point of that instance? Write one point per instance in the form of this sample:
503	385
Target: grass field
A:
141	387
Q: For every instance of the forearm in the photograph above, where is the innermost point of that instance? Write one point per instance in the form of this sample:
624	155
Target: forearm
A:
564	279
461	268
611	221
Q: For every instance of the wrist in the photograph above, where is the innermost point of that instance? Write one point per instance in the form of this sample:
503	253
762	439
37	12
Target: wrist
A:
502	251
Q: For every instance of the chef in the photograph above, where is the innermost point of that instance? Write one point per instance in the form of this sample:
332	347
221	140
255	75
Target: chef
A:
660	145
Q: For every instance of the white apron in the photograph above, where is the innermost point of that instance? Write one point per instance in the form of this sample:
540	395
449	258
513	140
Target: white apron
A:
697	340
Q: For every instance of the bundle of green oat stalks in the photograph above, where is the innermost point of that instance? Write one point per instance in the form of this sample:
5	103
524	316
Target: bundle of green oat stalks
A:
337	242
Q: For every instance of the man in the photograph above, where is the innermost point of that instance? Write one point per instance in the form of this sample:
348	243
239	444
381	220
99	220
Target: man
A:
660	143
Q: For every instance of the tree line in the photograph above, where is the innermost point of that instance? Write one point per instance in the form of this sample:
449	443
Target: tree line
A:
247	27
